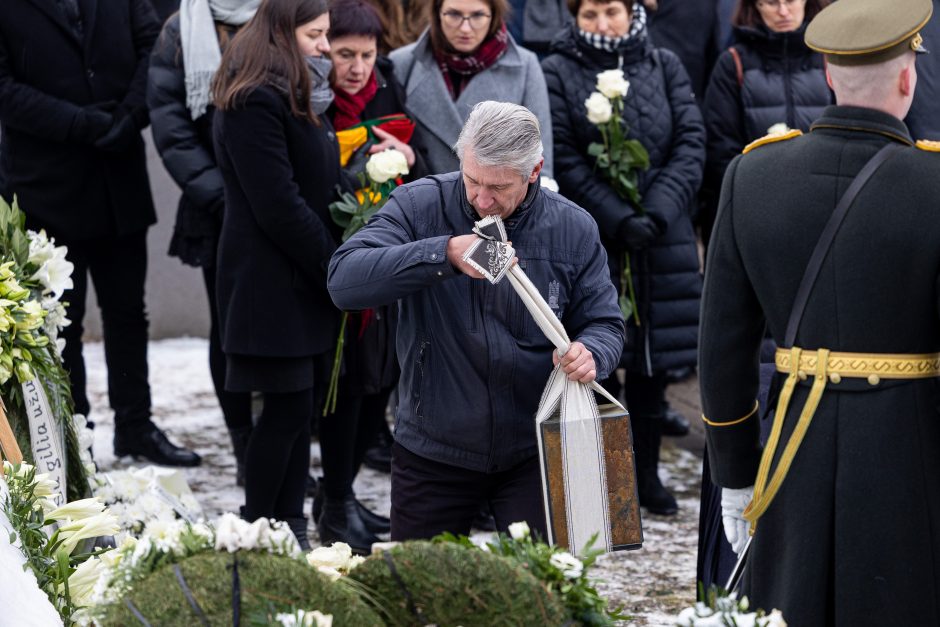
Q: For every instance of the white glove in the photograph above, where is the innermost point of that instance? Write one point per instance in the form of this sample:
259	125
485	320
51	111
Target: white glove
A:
733	502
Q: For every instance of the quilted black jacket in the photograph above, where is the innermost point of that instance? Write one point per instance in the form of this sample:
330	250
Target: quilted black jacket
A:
661	113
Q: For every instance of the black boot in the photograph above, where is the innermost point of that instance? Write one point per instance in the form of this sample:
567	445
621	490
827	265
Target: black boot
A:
674	423
341	521
376	523
298	527
647	436
240	437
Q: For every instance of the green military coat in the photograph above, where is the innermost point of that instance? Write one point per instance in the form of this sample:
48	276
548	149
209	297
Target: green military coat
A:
853	536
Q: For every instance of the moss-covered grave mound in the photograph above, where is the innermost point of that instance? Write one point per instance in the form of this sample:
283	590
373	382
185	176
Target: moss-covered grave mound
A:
423	583
268	583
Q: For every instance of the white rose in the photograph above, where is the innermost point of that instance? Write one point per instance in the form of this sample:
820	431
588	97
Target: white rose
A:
519	530
612	84
775	619
778	129
569	565
254	535
599	109
227	533
386	165
335	556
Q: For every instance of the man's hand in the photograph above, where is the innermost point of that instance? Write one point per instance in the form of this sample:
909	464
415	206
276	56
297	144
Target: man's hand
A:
733	503
457	246
577	363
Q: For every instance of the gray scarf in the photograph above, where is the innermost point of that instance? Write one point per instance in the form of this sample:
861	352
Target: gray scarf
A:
200	43
321	96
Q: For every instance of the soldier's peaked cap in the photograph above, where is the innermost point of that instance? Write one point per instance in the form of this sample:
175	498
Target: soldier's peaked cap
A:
860	32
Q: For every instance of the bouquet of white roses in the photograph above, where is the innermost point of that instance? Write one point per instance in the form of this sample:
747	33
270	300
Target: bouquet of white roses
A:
721	609
383	174
619	159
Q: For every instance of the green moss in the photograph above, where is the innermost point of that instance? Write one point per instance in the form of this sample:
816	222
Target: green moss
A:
269	583
454	585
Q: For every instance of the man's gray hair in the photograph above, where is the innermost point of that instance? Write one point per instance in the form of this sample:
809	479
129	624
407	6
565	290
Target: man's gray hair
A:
502	134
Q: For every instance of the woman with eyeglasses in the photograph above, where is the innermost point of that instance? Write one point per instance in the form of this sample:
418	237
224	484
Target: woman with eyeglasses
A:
766	79
467	56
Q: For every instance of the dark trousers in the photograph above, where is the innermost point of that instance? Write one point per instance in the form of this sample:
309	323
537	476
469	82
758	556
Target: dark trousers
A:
345	436
236	406
429	497
277	459
118	267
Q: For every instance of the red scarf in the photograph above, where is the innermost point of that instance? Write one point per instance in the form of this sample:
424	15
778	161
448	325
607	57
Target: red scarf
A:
457	69
349	107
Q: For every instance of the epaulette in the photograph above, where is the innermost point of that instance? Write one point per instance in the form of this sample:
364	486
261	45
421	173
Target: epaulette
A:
928	144
771	138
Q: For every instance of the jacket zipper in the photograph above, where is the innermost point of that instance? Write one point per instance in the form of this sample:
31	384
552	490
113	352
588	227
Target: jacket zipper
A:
420	382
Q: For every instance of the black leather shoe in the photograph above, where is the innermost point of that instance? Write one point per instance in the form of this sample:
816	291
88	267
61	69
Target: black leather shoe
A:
153	445
298	527
341	522
376	523
674	424
378	458
655	497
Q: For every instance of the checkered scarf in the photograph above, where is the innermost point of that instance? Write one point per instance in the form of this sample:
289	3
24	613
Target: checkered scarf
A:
612	44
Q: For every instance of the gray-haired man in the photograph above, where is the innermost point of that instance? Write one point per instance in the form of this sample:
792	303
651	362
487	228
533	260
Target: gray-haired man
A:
473	362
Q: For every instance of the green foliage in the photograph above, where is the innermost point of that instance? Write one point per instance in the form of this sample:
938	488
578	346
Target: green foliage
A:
583	604
269	584
20	346
49	561
453	584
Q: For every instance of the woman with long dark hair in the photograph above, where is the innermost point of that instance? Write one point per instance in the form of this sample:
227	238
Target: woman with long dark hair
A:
280	166
768	78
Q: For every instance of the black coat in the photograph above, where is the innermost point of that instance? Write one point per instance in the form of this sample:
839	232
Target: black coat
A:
691	30
46	75
661	112
781	80
853	535
280	173
923	119
185	145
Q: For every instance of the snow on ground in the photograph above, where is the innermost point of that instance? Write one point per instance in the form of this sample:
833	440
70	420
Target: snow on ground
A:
652	584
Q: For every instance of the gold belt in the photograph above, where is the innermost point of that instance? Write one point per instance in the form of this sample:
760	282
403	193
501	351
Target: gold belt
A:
823	365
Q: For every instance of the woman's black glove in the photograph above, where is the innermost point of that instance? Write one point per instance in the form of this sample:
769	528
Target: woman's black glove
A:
638	231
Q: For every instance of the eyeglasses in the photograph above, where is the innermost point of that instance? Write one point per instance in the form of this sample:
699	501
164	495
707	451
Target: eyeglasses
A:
775	5
455	19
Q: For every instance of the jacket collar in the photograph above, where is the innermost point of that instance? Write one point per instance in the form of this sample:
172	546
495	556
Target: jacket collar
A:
863	120
88	10
771	44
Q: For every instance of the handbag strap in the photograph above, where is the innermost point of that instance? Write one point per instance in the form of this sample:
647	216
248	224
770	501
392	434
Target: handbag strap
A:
828	235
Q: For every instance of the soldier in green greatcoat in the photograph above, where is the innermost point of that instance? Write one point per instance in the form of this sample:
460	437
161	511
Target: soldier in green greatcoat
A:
831	240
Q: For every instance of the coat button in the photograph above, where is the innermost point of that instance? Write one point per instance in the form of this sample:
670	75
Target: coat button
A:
874	379
439	273
90	73
433	256
835	377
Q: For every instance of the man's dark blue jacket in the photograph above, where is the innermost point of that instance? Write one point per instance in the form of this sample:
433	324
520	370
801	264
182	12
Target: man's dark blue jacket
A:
473	361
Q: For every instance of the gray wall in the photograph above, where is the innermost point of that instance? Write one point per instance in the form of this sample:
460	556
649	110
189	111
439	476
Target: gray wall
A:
176	298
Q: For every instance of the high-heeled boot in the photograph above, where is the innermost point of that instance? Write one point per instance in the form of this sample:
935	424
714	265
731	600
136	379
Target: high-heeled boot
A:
340	521
240	437
647	437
